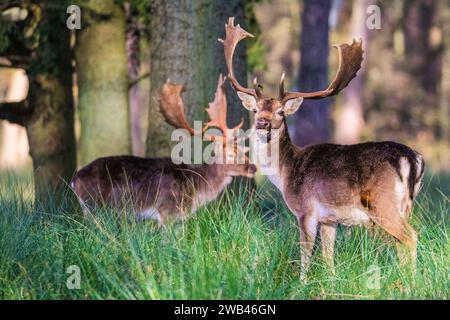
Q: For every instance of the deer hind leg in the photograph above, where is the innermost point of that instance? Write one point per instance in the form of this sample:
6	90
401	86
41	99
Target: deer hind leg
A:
407	249
391	214
391	222
328	237
308	231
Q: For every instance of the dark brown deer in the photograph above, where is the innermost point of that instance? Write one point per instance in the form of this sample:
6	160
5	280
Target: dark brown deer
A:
157	188
327	184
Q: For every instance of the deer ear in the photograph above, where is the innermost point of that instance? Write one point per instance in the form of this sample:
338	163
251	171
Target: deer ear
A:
248	101
292	105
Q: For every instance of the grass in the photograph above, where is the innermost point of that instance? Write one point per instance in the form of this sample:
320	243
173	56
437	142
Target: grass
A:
232	249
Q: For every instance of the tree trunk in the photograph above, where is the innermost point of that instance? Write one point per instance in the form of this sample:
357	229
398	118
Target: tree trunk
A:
312	120
350	119
47	113
184	49
422	60
134	94
50	131
102	82
444	112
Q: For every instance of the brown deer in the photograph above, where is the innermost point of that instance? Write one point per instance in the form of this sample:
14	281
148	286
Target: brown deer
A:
157	188
327	184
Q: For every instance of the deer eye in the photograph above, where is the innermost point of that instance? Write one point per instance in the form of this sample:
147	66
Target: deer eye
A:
280	113
255	110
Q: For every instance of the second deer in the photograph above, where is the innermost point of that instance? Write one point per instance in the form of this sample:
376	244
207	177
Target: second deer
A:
157	188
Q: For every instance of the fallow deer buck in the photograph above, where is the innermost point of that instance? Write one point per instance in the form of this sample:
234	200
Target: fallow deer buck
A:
157	188
324	185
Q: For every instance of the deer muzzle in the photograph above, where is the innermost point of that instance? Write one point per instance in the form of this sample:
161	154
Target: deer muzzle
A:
262	124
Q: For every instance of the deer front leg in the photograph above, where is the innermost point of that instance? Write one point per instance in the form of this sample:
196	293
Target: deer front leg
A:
308	230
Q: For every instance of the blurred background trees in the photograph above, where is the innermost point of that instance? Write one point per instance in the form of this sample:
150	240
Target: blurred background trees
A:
101	68
312	121
30	41
110	70
350	120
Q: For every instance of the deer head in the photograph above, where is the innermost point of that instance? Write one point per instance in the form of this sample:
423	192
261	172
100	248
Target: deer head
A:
270	112
229	145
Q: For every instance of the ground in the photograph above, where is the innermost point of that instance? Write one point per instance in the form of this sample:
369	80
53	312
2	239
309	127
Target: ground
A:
234	248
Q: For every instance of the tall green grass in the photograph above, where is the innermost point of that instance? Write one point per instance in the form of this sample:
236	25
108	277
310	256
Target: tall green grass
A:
234	248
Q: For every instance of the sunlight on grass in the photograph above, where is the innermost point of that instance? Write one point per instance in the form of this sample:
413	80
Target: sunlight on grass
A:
234	248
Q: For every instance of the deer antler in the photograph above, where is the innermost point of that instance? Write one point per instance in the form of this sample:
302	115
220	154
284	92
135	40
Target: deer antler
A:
217	111
234	34
350	59
172	108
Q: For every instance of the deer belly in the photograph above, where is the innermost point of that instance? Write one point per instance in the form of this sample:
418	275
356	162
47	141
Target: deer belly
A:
150	213
354	216
348	216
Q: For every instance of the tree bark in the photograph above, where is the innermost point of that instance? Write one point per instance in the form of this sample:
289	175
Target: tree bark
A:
47	113
184	49
134	93
50	132
422	60
312	120
350	119
444	109
103	82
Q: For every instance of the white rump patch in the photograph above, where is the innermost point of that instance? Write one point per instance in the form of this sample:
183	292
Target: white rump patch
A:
419	174
401	186
401	190
404	169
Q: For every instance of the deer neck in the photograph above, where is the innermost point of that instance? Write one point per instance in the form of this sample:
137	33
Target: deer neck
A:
277	152
286	147
209	182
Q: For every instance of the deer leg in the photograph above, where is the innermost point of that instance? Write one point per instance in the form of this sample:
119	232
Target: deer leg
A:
391	221
85	209
407	249
328	237
308	230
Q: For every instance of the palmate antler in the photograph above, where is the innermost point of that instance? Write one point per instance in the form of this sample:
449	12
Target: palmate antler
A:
217	110
172	108
234	34
350	59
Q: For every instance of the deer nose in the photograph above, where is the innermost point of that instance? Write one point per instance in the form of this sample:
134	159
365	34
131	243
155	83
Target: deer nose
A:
262	124
252	169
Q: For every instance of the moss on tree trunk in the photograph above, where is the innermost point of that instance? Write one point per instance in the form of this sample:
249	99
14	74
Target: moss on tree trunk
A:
50	131
102	81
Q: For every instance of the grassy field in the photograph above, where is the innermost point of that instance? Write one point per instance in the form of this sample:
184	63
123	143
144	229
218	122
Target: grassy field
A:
232	249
